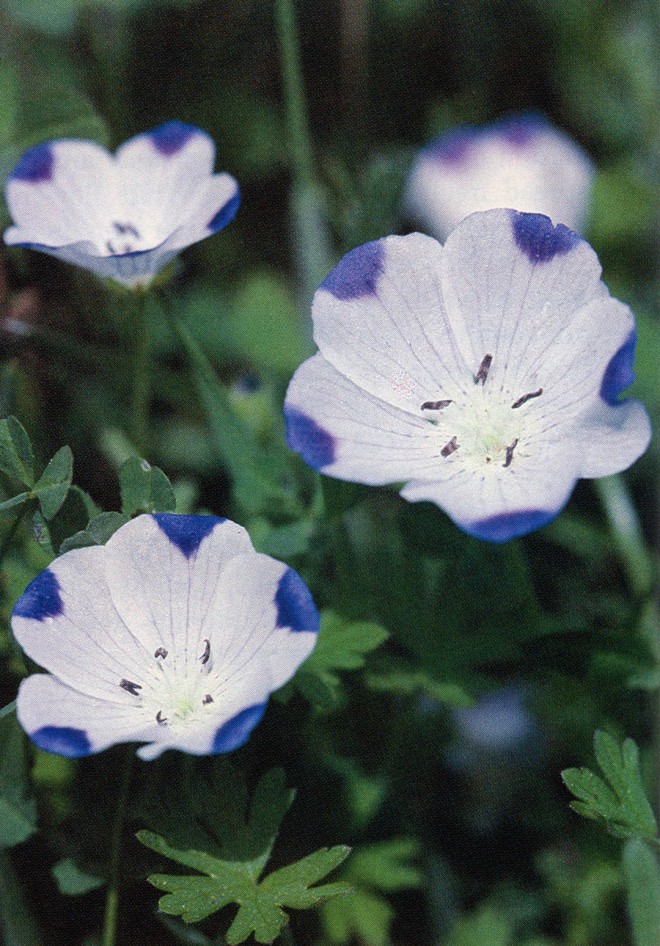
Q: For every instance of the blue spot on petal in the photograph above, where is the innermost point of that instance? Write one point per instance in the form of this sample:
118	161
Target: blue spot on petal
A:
619	373
226	214
315	445
521	129
453	146
236	731
356	275
171	137
509	525
62	740
36	165
41	599
539	240
186	532
295	605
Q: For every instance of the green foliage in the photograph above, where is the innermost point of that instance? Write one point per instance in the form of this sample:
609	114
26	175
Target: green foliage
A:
640	866
17	462
341	645
618	801
389	676
16	455
18	817
373	869
97	532
144	488
229	842
54	483
72	881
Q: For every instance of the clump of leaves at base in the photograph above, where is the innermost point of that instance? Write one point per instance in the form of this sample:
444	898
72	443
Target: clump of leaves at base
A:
618	800
229	842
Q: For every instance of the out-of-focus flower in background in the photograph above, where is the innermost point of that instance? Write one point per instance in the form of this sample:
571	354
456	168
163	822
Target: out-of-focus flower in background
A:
484	374
521	162
174	633
121	216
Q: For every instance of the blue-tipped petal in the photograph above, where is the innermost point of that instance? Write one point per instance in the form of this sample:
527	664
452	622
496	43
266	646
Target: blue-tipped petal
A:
35	166
521	129
539	240
235	732
357	274
226	214
186	532
619	373
41	599
303	435
453	146
170	137
62	740
509	525
295	605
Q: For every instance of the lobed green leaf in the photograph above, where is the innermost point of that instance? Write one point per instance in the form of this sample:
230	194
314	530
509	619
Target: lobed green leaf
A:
53	485
144	488
16	455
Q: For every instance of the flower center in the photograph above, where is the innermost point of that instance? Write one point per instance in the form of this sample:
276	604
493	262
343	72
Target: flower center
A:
124	238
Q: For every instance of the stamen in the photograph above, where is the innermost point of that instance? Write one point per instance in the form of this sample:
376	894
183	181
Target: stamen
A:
484	368
509	453
435	405
204	659
123	228
527	397
161	652
207	699
449	448
130	687
160	718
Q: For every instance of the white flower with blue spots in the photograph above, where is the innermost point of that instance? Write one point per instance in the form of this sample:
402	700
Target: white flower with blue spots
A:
174	634
485	374
521	161
122	216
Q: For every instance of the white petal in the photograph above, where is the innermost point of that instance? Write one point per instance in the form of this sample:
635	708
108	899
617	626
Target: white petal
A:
344	432
66	622
612	438
379	320
65	721
162	570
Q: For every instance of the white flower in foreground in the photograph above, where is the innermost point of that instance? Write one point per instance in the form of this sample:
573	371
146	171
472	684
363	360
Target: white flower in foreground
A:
175	633
122	216
484	374
521	161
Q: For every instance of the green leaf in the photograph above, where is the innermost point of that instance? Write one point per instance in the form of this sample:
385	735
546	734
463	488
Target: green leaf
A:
54	483
229	842
386	865
144	488
18	818
14	501
404	680
72	881
97	532
341	645
640	866
360	916
16	456
619	801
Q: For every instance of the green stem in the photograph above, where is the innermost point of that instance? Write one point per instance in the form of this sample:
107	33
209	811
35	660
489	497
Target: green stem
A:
627	534
112	897
312	242
139	429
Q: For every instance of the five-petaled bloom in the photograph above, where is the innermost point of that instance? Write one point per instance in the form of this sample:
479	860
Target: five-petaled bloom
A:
485	373
521	161
122	216
174	634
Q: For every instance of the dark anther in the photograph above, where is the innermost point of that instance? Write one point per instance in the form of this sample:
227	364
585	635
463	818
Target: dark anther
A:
126	228
509	453
484	367
207	699
207	651
130	687
449	448
527	397
160	718
161	652
435	405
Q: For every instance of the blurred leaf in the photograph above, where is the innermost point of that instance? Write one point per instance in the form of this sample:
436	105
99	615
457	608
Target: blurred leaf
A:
18	816
620	802
54	483
16	456
486	925
640	865
397	677
341	645
98	531
231	844
72	881
361	915
281	541
144	488
386	865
